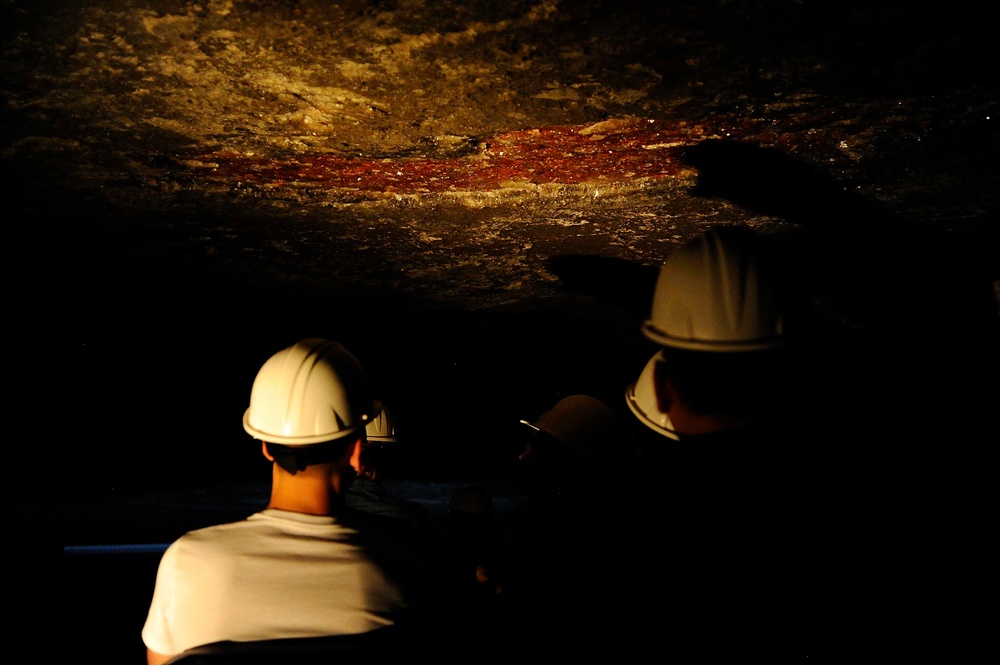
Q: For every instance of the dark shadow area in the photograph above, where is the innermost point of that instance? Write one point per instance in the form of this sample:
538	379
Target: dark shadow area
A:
772	182
623	284
887	277
156	358
394	641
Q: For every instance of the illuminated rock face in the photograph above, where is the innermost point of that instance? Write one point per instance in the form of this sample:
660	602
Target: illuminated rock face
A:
450	153
613	155
486	182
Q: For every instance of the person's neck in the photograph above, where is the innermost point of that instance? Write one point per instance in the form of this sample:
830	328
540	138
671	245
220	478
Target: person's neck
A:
309	492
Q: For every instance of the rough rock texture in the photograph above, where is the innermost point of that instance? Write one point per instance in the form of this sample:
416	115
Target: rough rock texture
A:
211	180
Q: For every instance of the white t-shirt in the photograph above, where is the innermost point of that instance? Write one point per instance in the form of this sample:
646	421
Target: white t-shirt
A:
276	574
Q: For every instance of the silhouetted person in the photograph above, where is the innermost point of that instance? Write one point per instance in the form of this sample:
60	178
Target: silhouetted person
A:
723	537
474	609
552	558
367	493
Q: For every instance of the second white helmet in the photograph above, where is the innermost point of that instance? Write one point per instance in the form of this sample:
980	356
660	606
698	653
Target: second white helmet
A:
381	428
641	399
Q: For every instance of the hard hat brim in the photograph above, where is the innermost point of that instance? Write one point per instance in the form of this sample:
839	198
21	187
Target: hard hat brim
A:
641	415
719	346
296	440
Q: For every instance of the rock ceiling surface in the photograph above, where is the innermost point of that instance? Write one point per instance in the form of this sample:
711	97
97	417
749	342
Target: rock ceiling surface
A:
493	175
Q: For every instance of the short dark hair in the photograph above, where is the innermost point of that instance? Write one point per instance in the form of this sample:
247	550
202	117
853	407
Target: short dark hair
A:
296	458
724	383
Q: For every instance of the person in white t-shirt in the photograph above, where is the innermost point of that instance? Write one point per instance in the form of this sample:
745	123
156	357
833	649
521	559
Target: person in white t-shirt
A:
295	569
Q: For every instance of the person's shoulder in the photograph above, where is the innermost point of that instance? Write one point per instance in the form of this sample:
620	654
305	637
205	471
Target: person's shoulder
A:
209	533
261	522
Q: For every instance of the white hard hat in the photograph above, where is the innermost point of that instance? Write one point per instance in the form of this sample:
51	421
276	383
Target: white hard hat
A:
381	428
641	399
714	294
310	392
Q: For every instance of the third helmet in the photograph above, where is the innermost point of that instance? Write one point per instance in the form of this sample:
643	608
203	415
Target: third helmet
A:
714	294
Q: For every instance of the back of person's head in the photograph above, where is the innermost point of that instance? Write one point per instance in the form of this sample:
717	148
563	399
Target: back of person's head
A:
719	314
568	442
309	403
740	385
583	425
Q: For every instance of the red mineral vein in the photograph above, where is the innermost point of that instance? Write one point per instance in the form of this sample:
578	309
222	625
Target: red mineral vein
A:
612	151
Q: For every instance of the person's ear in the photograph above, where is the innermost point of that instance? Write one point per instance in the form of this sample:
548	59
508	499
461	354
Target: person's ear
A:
263	449
663	388
355	456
